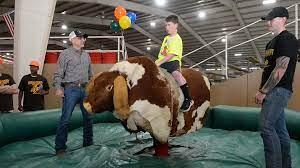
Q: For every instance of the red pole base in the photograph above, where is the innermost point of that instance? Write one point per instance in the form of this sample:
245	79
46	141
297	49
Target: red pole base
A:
161	149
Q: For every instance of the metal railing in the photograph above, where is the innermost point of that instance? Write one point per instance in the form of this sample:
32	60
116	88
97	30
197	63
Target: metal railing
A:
226	48
121	47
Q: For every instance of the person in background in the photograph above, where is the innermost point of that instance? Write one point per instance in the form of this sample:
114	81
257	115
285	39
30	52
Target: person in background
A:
33	87
72	75
276	89
8	87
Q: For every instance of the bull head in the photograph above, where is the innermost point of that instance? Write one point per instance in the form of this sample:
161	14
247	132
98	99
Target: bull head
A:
108	91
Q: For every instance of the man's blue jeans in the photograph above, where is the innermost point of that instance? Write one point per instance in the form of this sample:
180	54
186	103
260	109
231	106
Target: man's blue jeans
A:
275	136
73	96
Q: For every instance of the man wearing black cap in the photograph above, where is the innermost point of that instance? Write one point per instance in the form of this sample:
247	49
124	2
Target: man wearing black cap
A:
72	74
276	89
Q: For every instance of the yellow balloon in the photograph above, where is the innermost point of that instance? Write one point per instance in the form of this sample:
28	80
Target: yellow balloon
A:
125	22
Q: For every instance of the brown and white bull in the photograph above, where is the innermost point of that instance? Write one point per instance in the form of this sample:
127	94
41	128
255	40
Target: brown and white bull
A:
147	98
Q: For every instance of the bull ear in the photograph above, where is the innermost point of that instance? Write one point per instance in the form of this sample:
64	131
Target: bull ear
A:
121	97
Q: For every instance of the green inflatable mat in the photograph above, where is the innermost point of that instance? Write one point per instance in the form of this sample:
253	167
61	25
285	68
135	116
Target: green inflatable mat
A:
247	118
29	125
116	148
230	139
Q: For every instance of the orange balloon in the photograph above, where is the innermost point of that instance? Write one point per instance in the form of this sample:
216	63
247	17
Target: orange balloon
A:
119	12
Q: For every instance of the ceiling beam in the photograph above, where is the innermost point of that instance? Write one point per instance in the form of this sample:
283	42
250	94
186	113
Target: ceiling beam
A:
98	21
127	5
78	8
144	32
232	5
6	42
4	10
150	10
81	19
64	6
90	10
59	43
132	6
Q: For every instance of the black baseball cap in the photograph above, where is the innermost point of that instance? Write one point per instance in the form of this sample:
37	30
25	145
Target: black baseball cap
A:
276	12
77	33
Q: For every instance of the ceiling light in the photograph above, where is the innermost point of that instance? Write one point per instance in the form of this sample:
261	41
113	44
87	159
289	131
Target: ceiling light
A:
64	27
160	2
65	41
238	54
64	12
148	39
223	40
153	24
201	1
202	14
63	34
210	69
254	68
148	48
7	53
224	29
268	2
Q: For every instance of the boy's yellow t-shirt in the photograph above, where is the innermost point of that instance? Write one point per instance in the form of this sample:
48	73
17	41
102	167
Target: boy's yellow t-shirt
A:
171	45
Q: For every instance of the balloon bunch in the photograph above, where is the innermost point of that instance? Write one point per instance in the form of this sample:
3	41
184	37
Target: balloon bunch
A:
123	19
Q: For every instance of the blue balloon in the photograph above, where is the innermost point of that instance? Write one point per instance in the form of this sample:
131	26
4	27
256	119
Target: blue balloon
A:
132	17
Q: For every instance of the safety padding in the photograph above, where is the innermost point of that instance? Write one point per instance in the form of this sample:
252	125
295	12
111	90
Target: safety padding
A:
247	118
234	118
30	125
2	139
293	123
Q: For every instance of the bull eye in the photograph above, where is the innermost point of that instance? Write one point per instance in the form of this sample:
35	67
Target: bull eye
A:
109	88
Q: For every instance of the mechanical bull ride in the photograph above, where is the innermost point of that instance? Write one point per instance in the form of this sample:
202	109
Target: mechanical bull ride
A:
147	98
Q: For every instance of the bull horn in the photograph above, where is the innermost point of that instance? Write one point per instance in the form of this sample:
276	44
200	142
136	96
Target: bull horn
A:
121	97
88	107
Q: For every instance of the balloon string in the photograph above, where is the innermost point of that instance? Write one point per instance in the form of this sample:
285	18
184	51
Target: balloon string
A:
125	49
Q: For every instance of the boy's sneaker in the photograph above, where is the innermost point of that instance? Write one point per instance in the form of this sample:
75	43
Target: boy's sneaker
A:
186	105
